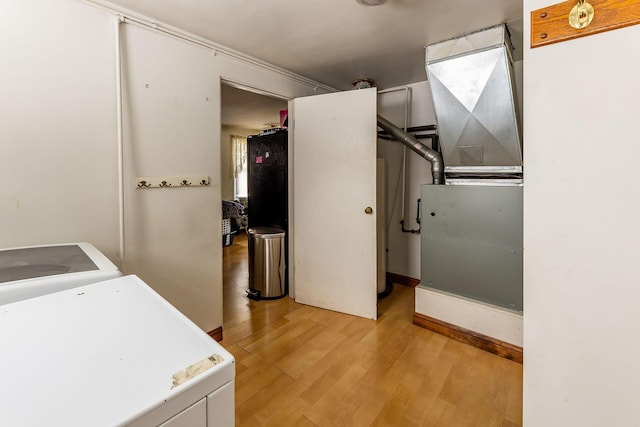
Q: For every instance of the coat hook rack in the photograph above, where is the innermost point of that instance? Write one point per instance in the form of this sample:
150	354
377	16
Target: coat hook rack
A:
143	182
569	20
581	15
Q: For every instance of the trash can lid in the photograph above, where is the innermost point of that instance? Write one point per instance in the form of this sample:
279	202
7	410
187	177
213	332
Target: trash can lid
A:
267	232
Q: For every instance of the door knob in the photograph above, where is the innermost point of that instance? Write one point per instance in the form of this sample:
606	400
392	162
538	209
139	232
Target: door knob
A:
368	210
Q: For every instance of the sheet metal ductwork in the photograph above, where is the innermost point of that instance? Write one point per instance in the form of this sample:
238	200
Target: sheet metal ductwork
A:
473	93
471	239
435	158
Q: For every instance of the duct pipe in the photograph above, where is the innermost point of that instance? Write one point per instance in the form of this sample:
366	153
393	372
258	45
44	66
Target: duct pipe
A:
432	156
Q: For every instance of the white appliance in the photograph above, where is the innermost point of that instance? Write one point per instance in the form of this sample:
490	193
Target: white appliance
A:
110	354
29	272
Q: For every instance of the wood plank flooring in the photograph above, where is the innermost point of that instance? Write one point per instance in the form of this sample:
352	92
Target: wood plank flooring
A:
302	366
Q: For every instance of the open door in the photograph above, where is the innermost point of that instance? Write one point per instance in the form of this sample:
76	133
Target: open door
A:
334	201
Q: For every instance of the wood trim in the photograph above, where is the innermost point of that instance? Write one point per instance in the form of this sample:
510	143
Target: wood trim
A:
216	334
398	279
551	24
492	345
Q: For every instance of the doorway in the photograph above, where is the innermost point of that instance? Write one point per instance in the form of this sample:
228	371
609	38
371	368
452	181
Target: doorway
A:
244	112
335	147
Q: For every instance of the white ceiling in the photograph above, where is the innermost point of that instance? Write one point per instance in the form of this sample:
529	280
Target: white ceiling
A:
247	110
335	41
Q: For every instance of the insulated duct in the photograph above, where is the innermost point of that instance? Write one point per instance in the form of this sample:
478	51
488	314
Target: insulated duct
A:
432	156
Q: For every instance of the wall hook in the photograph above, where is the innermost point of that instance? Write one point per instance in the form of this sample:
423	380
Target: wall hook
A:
166	181
581	15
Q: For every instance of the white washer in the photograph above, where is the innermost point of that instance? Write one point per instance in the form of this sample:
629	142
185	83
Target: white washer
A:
29	272
106	354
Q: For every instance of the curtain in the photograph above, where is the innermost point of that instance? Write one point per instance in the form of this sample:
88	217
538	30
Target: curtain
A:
238	154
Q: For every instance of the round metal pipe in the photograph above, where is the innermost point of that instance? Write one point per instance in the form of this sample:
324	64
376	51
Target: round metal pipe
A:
432	156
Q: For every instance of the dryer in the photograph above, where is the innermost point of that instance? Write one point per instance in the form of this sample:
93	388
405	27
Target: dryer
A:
112	353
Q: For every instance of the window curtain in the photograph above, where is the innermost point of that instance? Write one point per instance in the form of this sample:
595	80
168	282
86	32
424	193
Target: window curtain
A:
238	154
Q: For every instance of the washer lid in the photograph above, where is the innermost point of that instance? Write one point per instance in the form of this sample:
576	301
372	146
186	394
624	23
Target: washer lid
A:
28	263
32	262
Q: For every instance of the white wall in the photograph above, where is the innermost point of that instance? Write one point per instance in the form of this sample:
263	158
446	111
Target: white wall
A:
226	162
173	127
57	126
58	135
581	232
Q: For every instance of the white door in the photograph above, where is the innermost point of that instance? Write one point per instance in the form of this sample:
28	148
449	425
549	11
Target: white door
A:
334	201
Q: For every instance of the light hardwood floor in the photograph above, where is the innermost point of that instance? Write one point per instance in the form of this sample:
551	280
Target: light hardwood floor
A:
302	366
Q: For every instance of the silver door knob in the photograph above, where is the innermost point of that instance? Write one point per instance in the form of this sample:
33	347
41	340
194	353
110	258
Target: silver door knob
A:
368	210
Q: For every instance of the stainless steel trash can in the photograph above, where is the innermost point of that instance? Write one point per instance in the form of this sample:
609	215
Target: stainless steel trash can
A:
266	263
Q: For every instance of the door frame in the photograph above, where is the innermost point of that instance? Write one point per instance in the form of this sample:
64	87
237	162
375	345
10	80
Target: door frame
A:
260	91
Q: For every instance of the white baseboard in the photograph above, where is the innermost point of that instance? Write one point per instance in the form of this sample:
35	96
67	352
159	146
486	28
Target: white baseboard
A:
486	319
